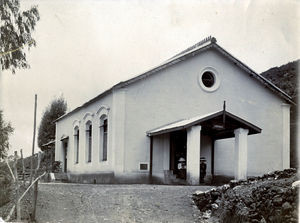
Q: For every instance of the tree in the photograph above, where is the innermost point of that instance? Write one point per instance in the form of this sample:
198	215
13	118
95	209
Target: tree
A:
57	108
16	28
5	131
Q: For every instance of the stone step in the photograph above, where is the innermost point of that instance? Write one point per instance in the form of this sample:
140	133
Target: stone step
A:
171	178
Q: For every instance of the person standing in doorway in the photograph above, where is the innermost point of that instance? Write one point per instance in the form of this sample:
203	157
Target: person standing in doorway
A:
202	169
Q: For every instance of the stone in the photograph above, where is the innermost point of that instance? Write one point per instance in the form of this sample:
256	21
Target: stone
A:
286	207
206	214
242	181
237	187
253	206
225	187
263	220
269	204
218	202
214	206
296	184
215	194
248	201
199	192
280	191
233	183
277	200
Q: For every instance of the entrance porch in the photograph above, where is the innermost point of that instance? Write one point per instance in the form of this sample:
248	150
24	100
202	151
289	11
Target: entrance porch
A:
194	138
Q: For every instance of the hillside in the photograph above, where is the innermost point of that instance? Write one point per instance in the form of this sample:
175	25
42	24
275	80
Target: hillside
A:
285	77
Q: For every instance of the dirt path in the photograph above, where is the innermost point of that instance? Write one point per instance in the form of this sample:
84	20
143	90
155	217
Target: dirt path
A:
116	203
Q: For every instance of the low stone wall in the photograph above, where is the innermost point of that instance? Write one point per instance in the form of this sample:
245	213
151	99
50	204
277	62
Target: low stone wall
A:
268	198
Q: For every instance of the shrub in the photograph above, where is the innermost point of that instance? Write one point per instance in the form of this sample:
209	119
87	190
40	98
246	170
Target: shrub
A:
5	186
56	167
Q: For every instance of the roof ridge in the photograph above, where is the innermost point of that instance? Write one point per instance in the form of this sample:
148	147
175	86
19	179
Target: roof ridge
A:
202	42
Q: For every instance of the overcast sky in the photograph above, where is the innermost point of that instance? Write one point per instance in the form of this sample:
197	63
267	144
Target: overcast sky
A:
84	47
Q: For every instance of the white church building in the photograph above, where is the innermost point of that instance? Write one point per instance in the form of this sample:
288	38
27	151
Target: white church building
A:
155	127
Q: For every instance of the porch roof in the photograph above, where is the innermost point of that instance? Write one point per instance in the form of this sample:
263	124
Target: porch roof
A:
48	145
219	125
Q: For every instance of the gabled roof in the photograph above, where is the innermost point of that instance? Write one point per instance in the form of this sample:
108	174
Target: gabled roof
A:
220	125
207	43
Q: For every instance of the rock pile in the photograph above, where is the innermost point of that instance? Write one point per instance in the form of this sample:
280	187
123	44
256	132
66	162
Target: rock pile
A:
268	198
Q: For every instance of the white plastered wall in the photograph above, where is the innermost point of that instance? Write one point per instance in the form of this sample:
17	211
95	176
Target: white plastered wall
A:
65	127
174	93
117	130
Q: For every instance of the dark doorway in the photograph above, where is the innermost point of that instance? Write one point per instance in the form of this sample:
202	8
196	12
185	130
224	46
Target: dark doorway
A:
65	146
178	153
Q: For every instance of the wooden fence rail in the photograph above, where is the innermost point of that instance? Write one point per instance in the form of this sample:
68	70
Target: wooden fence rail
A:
19	200
15	176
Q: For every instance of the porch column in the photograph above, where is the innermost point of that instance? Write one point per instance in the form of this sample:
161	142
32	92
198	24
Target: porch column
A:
286	136
240	153
193	155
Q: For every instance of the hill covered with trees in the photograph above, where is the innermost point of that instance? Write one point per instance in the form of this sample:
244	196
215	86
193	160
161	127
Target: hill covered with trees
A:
285	77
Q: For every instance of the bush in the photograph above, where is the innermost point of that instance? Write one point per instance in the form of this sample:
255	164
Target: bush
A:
56	167
5	186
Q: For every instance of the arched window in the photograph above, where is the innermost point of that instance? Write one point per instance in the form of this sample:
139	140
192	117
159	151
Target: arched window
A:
103	138
76	144
89	141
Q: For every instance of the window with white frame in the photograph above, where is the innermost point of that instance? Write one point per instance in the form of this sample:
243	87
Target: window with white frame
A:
89	141
103	138
209	79
76	144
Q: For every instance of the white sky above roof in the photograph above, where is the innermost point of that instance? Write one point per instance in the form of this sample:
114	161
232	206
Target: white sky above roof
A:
86	46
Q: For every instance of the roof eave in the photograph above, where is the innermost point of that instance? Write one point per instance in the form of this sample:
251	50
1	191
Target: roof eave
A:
182	57
85	104
142	76
254	129
260	78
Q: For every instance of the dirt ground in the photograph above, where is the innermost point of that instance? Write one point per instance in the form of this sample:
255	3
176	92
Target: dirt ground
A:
116	203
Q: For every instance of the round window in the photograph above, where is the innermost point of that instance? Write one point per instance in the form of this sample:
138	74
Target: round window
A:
209	79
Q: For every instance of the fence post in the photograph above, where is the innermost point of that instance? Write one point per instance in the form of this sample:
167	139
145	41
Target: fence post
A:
23	167
51	161
22	196
18	208
33	140
35	194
